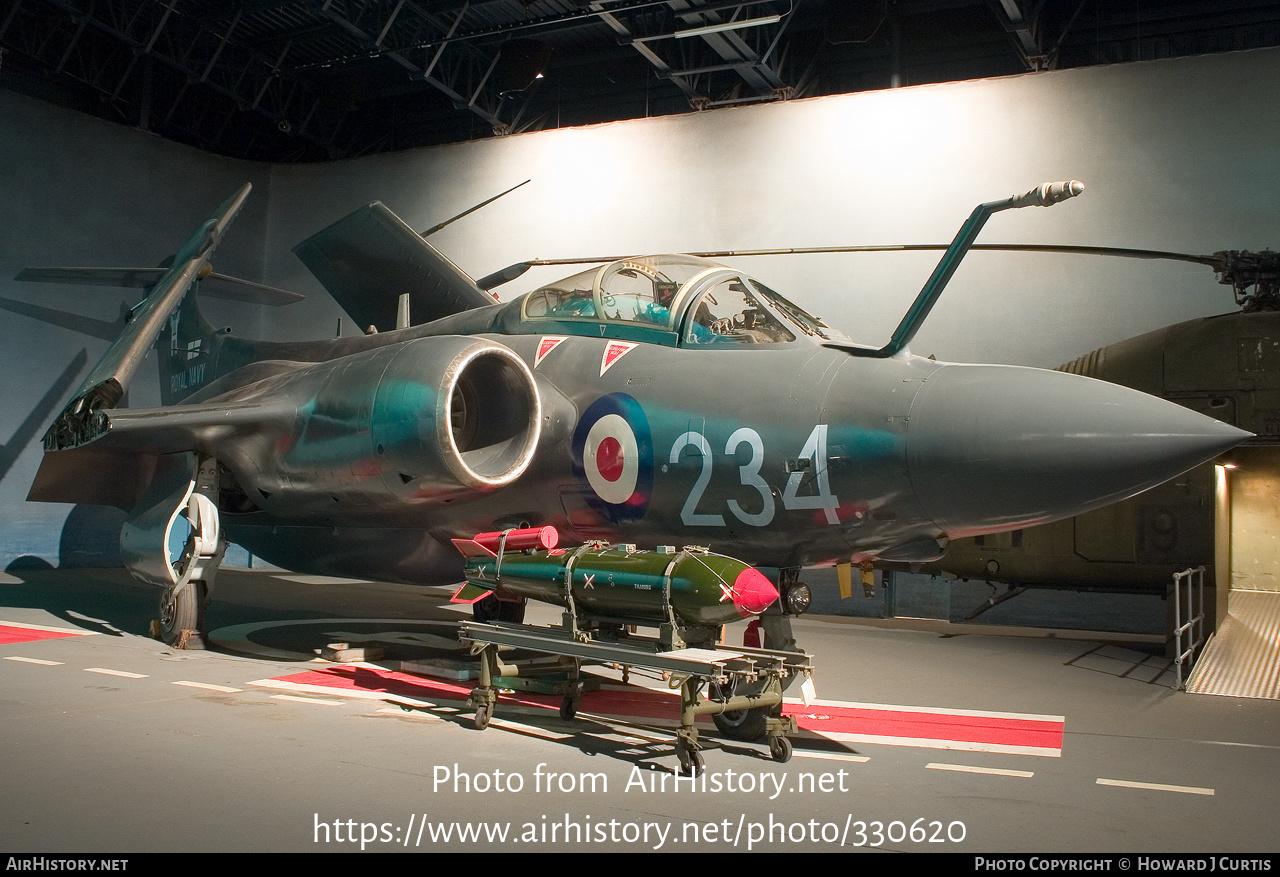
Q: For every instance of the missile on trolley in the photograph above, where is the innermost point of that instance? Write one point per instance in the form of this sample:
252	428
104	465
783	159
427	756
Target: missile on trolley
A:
613	582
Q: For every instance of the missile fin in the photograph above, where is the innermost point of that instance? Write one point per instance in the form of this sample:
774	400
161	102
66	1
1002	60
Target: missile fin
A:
470	593
472	548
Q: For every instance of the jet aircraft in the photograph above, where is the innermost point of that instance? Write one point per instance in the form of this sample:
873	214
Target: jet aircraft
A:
648	400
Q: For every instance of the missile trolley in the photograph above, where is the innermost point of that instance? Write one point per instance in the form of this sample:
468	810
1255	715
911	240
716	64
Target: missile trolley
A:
609	590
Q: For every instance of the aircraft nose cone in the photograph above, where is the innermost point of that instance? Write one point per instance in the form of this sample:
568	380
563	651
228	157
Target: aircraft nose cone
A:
752	593
998	447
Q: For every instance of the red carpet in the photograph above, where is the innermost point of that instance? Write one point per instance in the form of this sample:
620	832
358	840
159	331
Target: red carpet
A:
893	725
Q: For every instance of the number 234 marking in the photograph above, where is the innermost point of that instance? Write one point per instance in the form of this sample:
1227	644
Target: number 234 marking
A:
815	450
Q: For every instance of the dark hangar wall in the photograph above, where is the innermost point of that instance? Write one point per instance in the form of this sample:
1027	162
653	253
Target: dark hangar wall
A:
1178	155
77	191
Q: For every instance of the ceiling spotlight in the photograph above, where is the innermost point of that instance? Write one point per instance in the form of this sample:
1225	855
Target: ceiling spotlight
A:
727	25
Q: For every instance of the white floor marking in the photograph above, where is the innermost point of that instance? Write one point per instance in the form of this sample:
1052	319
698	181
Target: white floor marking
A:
32	660
121	673
941	711
307	699
833	756
323	580
642	738
409	714
357	693
931	743
74	630
970	768
527	729
1159	787
223	688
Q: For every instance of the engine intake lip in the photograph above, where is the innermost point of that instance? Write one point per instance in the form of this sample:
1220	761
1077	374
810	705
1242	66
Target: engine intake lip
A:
489	416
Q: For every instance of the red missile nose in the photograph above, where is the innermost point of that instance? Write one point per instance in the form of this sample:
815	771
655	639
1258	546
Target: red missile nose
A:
752	593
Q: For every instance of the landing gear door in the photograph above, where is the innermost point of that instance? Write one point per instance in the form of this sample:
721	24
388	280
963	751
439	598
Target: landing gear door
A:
145	537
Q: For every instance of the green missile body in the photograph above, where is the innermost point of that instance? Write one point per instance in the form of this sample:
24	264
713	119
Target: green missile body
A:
616	582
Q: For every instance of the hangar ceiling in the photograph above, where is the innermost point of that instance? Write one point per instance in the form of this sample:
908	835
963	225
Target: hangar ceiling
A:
312	80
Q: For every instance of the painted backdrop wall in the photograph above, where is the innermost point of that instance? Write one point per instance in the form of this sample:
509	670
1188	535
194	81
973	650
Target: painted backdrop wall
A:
1177	155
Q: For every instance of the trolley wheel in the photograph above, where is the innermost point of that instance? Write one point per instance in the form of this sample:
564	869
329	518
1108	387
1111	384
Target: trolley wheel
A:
484	712
745	725
692	764
781	749
568	707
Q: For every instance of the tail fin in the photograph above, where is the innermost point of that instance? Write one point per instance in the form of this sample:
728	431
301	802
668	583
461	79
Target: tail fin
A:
110	378
187	352
367	259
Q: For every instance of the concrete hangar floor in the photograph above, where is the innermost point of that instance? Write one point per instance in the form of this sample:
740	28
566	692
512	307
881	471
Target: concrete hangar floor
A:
968	743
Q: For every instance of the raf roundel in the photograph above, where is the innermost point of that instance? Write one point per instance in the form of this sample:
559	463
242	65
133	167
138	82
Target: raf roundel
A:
613	453
610	459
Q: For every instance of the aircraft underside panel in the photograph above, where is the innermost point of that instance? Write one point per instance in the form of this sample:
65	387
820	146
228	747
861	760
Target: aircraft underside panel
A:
380	553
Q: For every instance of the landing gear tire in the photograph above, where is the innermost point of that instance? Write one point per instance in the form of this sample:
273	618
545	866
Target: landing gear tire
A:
781	749
568	708
181	623
483	713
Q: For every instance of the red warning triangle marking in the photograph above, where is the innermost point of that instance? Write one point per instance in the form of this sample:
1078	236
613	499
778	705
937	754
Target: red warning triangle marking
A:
614	351
545	346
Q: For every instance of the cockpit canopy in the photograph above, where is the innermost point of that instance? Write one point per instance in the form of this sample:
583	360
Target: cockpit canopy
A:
695	300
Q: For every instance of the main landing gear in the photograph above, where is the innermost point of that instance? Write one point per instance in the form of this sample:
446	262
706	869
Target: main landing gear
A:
183	494
181	622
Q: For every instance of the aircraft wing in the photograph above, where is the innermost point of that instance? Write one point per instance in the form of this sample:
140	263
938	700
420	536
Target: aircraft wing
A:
109	379
367	259
113	466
